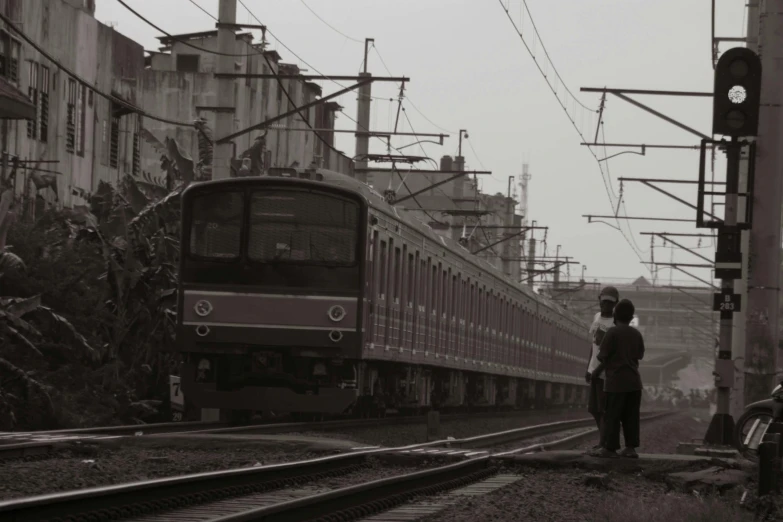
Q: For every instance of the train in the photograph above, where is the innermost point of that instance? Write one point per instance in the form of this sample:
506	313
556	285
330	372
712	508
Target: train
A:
303	291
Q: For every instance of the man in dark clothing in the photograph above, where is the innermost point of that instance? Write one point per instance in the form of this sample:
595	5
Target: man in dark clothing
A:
602	321
621	350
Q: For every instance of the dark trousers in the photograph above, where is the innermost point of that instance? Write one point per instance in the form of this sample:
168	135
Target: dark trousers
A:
622	408
596	406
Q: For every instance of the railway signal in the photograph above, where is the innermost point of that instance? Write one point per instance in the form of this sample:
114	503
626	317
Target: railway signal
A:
737	94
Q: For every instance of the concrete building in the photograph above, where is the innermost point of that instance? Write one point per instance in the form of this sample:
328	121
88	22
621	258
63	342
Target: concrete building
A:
179	84
79	137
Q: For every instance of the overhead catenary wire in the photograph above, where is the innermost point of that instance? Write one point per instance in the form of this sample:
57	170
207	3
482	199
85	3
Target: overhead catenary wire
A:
277	79
408	98
84	82
330	26
176	39
565	109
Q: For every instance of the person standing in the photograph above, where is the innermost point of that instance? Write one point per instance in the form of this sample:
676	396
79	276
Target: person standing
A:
602	321
621	350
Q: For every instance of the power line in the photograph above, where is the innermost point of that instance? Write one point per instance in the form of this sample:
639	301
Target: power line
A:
84	82
277	78
563	106
269	32
183	42
383	62
329	25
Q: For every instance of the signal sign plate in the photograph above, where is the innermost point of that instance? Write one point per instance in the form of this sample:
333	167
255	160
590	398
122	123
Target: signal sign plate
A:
726	303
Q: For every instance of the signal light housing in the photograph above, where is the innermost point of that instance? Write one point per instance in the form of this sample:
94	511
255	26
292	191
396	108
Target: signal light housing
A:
737	93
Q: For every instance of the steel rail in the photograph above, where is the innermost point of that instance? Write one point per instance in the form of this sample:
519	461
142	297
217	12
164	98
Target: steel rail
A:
363	500
146	497
36	449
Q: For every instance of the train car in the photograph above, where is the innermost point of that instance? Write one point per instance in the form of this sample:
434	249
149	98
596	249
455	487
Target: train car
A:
304	291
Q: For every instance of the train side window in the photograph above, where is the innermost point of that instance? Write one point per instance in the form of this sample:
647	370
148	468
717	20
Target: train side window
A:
444	287
422	290
480	308
382	269
434	289
411	279
396	275
373	269
454	296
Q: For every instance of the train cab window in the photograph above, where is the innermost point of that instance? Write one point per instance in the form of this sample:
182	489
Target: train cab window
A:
305	227
216	225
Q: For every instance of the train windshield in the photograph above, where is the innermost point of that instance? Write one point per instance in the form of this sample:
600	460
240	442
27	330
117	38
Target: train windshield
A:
216	226
292	226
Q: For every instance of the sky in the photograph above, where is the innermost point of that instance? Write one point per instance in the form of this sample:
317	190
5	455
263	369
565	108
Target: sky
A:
470	69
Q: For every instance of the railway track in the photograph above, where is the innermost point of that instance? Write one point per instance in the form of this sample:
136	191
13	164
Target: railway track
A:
40	444
290	491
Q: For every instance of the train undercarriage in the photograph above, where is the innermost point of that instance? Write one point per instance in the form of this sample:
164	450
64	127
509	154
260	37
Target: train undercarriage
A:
275	382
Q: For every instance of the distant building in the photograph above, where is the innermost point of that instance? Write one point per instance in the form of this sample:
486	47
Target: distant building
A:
672	318
453	210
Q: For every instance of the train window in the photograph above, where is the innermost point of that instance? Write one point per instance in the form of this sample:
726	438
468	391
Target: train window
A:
411	280
216	225
444	288
434	288
454	296
382	265
304	227
422	291
396	274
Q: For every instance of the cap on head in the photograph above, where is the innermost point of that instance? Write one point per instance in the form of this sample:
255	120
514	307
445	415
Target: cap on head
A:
609	293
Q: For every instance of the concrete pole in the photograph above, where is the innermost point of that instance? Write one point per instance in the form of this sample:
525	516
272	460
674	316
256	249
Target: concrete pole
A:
531	260
741	285
509	222
224	118
761	327
363	119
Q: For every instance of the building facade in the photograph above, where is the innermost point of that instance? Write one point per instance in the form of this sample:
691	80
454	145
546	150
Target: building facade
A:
80	136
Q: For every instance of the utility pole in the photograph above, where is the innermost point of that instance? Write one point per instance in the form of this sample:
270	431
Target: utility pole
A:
226	105
363	118
761	330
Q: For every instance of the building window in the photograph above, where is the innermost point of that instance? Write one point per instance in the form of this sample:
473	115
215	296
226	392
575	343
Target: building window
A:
187	62
9	57
32	92
114	145
43	85
70	122
81	111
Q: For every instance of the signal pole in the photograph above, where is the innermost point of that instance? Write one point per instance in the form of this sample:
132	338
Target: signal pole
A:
761	331
736	103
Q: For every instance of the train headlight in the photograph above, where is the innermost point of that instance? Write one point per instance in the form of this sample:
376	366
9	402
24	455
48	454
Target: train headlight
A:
336	313
203	308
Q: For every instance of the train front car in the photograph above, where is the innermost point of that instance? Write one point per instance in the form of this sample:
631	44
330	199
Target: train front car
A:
269	309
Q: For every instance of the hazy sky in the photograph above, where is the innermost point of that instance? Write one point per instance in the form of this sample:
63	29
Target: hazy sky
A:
470	70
